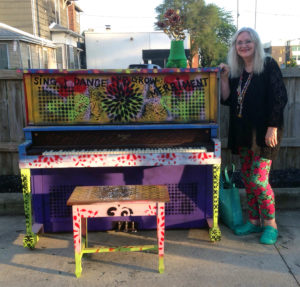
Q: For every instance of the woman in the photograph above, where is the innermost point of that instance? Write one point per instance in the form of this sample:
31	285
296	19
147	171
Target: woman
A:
252	85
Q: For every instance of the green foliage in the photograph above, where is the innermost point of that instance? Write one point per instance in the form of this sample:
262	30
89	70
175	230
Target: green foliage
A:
209	26
291	63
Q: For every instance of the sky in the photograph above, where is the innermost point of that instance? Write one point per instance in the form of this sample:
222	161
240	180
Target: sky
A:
273	20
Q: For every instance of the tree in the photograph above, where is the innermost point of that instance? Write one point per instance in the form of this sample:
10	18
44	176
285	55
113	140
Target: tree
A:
209	26
291	63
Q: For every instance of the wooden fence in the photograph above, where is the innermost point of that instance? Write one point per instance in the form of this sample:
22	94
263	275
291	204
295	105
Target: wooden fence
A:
12	121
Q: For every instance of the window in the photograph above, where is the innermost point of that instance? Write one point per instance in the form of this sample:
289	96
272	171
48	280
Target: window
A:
45	59
76	57
296	48
3	56
71	60
28	57
39	53
59	58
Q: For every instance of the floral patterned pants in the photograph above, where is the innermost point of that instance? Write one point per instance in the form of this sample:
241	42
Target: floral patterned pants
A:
255	174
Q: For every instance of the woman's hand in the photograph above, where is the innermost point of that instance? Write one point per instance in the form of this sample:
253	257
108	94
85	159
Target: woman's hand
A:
225	90
224	71
271	137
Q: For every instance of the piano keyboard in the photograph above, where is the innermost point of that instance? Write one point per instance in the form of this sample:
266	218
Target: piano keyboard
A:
126	151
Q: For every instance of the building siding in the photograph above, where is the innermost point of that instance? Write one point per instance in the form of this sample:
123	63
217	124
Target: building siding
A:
17	13
63	15
45	11
13	54
36	55
36	21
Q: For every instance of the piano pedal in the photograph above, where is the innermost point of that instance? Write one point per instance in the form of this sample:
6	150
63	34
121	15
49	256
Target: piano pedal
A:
119	225
125	226
133	229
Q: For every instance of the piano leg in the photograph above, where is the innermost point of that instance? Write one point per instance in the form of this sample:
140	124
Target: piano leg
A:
30	238
160	219
214	230
79	242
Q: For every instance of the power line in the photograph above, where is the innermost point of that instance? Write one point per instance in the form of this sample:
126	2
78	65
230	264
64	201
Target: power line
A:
125	17
273	14
151	17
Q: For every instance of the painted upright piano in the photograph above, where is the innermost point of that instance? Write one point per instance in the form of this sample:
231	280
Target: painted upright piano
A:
121	127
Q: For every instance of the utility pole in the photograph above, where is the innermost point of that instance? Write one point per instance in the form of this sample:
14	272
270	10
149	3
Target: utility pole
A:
237	14
255	14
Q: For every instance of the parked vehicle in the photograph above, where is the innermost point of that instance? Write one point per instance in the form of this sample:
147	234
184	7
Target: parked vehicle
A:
143	66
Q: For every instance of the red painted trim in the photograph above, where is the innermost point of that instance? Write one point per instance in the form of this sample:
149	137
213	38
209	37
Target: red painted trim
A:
26	101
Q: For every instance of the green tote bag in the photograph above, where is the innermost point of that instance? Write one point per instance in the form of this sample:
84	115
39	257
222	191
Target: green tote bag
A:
230	202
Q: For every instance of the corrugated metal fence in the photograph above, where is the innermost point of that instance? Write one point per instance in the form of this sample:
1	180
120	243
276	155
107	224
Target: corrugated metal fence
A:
12	121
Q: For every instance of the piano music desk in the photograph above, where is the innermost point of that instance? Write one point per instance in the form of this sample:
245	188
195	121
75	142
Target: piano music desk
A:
106	201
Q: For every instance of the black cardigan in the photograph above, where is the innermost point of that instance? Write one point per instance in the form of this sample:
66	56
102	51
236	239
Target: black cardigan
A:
263	106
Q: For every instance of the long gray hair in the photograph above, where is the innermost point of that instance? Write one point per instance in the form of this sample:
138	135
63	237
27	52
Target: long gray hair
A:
236	63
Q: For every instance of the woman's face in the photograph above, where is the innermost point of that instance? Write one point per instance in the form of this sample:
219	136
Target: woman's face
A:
245	47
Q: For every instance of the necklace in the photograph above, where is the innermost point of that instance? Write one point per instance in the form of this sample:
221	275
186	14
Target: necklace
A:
241	93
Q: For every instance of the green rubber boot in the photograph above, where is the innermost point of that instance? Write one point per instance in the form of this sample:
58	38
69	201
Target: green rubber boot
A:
269	235
247	228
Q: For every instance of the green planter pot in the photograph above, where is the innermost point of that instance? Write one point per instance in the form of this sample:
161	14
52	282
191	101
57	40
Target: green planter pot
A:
177	57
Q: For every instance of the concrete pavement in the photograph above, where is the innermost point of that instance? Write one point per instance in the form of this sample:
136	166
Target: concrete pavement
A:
190	258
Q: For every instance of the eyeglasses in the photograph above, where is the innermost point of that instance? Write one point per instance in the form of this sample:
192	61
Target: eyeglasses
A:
246	43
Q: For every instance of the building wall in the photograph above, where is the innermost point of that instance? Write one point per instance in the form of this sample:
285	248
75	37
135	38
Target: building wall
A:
17	13
61	38
295	50
279	54
50	11
36	52
13	54
74	20
45	15
63	14
119	50
15	49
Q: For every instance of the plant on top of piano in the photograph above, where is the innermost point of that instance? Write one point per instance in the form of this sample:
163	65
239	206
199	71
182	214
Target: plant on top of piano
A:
172	25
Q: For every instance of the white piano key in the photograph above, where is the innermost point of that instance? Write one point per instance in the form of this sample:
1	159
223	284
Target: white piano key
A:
127	151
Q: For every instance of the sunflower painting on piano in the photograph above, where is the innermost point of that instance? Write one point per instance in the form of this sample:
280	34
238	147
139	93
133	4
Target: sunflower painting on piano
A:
121	97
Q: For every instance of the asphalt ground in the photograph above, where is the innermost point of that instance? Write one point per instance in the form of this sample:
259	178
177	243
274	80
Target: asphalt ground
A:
190	258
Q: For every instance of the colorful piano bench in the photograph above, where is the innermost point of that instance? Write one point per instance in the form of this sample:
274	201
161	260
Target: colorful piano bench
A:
106	201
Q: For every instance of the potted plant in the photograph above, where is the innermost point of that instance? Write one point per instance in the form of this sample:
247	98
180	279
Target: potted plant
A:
172	25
